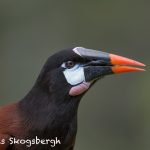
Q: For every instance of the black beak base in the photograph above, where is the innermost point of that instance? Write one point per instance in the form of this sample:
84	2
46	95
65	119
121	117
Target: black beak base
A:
95	72
98	66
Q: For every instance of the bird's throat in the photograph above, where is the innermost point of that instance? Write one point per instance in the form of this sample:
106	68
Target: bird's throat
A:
42	109
79	89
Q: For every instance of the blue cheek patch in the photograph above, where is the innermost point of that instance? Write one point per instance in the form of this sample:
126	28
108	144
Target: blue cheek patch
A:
74	75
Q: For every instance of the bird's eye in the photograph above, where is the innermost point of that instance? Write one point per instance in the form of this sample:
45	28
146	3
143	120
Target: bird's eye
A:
69	64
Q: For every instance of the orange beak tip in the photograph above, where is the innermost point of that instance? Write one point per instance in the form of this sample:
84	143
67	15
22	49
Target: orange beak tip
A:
119	60
124	69
144	65
141	64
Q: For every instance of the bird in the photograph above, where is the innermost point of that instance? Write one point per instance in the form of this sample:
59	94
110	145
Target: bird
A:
48	112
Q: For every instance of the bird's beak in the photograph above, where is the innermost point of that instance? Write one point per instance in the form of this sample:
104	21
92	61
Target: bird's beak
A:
122	64
102	63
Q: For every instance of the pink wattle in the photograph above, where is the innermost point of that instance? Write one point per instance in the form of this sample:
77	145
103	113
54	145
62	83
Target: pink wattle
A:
79	89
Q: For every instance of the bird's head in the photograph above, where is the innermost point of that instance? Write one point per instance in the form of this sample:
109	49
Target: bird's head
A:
73	71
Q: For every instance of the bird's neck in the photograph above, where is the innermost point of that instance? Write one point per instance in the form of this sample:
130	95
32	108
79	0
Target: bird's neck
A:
43	108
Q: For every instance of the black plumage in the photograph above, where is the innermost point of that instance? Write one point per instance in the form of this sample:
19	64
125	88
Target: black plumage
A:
49	110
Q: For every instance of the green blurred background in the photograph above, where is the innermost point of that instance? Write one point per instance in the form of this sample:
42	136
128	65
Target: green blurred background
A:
115	113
